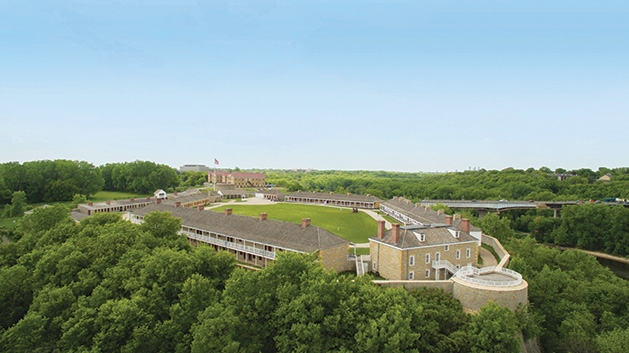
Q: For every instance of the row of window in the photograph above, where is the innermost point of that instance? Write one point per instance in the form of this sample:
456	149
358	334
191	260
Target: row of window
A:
411	274
411	259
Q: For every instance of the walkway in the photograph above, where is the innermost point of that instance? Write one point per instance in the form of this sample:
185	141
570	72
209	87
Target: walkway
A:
377	217
249	201
488	258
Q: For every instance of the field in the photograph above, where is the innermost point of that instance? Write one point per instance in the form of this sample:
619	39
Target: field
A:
8	223
114	195
355	227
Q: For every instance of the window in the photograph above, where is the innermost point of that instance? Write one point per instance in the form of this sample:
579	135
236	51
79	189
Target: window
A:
411	275
458	254
437	257
422	237
373	265
427	258
411	260
468	253
447	247
427	273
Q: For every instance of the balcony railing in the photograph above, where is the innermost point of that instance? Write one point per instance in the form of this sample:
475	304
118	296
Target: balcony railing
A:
468	274
445	264
229	244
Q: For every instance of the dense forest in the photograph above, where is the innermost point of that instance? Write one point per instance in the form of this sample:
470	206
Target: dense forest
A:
509	183
107	285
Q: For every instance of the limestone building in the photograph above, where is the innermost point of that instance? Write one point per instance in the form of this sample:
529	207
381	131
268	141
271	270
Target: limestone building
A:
422	252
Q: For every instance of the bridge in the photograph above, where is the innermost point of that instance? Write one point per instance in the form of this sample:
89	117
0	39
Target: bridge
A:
484	207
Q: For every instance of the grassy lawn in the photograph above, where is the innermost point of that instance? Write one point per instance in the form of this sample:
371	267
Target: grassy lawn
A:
7	223
360	251
115	195
355	227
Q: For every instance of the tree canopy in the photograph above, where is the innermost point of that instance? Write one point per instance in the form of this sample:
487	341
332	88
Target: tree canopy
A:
107	285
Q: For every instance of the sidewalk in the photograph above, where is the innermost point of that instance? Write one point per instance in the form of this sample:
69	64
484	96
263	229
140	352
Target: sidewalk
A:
377	217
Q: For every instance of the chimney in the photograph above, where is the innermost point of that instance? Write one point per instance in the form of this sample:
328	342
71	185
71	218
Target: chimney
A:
132	200
449	220
465	225
91	203
440	211
158	201
175	193
228	211
178	204
305	222
148	198
200	207
262	216
396	232
381	229
108	202
456	216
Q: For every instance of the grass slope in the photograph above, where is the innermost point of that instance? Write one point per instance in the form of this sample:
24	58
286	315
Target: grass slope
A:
115	195
355	227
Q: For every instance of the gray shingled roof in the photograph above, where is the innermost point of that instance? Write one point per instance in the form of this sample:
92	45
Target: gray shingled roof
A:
270	192
114	203
338	197
238	192
418	213
437	234
186	198
274	233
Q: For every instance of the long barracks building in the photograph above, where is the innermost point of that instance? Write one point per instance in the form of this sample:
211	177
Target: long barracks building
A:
256	241
332	199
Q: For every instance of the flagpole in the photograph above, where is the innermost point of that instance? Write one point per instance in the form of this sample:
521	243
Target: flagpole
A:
215	164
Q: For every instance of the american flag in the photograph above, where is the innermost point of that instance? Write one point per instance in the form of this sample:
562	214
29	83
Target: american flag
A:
215	161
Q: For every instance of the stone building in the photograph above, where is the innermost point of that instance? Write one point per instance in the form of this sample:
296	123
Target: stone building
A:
256	241
427	252
436	250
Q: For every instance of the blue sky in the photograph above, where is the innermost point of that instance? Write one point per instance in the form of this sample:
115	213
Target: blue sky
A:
375	85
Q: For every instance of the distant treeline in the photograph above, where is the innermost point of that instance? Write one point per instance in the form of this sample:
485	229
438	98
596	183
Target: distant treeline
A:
512	184
60	180
140	177
49	181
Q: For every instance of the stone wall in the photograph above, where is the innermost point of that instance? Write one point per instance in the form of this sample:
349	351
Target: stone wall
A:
447	286
336	259
473	296
500	250
389	261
